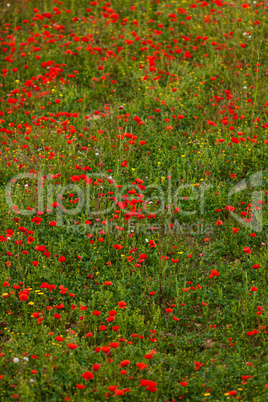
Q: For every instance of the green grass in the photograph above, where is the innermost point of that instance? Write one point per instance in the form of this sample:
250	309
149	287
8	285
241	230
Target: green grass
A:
133	144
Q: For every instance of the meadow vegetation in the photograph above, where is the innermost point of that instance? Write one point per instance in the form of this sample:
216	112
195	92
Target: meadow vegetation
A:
133	200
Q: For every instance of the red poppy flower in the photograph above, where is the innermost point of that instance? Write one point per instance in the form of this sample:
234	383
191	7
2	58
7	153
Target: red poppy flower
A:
169	310
112	387
118	246
149	356
231	393
124	363
105	349
119	391
23	297
88	375
96	313
141	366
59	339
72	346
112	313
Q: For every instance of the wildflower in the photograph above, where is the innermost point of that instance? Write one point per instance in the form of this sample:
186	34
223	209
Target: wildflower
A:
88	375
124	363
72	346
118	246
80	386
122	304
141	366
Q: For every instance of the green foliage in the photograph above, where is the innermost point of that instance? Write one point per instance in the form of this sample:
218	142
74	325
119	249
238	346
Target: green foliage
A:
133	137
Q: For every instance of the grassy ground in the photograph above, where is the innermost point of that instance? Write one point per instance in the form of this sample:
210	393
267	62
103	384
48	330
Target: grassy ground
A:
133	192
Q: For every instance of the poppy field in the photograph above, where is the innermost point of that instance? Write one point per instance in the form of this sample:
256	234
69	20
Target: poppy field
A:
133	200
